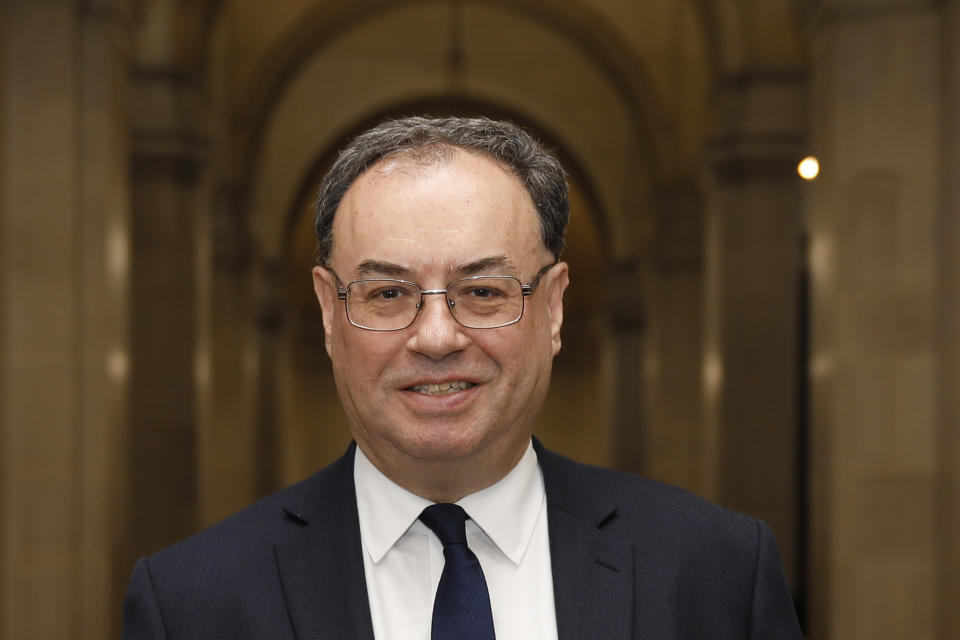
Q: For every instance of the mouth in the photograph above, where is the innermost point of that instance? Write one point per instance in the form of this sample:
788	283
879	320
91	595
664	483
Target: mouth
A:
442	388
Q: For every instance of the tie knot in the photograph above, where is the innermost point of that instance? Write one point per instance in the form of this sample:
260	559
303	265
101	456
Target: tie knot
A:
448	521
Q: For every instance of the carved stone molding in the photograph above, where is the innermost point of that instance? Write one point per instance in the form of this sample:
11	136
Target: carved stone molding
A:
761	125
166	123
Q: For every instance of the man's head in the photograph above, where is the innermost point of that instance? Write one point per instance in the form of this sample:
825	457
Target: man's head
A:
442	408
427	139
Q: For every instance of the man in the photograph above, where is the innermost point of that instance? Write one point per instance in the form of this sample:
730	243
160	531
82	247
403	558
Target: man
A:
442	299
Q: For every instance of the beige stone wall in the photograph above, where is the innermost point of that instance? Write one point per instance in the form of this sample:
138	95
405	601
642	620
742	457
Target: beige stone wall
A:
947	523
64	356
876	122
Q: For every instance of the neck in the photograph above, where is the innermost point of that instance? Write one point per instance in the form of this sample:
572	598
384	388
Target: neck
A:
446	479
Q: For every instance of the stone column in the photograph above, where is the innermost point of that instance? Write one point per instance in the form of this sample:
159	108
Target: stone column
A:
627	323
948	524
674	446
227	448
753	243
876	90
63	281
270	319
166	219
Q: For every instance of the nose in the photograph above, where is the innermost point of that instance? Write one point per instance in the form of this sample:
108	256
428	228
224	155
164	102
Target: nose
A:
435	333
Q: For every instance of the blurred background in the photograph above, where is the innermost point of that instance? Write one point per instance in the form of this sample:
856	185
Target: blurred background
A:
782	346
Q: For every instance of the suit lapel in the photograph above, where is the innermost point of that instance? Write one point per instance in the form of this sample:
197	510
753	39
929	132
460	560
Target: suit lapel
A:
321	564
592	569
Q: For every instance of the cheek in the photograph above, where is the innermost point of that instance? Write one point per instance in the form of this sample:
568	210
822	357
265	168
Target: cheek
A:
523	354
362	355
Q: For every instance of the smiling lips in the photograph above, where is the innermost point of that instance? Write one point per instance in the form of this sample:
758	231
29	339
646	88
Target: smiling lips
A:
441	389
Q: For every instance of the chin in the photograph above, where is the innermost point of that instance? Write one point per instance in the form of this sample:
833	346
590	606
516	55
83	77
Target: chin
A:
445	445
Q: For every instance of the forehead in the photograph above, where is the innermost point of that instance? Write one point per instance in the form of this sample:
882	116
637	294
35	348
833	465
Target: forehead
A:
429	214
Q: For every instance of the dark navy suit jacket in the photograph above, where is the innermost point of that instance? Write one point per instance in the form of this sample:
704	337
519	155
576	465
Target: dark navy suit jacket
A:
631	558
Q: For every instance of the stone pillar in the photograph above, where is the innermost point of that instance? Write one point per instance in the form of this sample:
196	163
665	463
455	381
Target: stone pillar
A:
627	325
948	525
873	214
227	448
674	446
270	319
752	245
165	172
63	282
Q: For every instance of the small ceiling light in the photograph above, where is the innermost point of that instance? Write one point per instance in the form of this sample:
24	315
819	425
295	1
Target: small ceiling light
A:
809	168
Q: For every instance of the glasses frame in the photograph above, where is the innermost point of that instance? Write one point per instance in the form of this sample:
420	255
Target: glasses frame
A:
525	290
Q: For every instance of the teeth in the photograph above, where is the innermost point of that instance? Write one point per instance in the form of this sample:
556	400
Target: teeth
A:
441	389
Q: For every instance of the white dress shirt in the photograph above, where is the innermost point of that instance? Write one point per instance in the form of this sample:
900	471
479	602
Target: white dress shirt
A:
507	531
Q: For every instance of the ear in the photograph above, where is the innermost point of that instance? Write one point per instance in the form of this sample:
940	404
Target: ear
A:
557	284
325	286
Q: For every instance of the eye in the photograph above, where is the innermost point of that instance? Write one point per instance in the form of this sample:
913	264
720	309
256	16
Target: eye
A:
389	294
484	292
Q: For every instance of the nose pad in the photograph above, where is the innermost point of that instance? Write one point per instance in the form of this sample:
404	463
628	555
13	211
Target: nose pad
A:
442	312
450	305
436	332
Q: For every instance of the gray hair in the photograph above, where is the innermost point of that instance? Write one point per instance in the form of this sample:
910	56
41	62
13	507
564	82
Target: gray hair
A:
431	140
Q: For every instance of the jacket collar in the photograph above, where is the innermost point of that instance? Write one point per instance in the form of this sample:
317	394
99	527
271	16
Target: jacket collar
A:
320	564
592	567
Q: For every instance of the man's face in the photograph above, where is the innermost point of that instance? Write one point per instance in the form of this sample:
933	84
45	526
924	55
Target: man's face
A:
432	225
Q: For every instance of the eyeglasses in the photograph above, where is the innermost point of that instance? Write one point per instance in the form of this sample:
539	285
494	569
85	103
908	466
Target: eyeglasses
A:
477	302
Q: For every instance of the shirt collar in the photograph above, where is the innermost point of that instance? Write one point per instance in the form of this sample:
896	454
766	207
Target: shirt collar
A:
506	512
385	509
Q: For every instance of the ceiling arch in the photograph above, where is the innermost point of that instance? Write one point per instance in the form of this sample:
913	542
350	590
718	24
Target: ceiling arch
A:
453	105
361	71
323	23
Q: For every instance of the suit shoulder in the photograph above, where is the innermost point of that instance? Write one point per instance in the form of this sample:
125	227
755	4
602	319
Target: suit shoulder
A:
650	508
258	527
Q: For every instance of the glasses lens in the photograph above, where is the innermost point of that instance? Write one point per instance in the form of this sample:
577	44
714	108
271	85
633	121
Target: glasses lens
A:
383	305
486	302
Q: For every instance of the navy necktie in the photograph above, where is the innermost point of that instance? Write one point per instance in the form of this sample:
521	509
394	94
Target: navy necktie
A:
461	609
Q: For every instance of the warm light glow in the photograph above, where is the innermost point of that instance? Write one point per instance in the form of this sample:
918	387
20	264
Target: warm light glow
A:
712	372
821	365
821	257
809	168
201	368
118	256
118	364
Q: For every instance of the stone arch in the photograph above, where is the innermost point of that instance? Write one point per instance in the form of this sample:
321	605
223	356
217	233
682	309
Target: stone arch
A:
620	136
325	22
300	107
303	100
454	104
621	116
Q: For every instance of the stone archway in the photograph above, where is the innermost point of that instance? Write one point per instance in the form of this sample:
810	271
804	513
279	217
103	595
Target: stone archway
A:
613	137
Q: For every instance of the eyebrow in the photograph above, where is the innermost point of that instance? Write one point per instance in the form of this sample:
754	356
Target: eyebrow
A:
393	270
502	263
379	267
